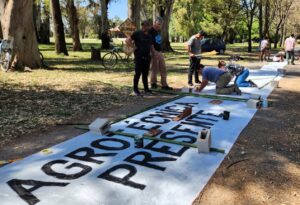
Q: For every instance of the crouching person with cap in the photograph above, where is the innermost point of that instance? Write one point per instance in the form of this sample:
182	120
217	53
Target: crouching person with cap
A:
220	77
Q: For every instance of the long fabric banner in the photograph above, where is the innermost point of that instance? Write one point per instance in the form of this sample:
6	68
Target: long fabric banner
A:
92	169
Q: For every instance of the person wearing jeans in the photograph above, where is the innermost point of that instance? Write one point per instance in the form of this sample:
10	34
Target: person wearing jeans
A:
289	46
240	72
142	42
241	81
194	49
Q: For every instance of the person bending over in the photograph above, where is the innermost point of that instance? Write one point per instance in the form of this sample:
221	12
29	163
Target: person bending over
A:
240	72
279	57
221	77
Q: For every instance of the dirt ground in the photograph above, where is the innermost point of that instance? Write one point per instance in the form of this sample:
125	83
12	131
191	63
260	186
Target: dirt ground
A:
263	166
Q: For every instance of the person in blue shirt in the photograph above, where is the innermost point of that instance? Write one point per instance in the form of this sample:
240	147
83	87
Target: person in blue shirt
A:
220	77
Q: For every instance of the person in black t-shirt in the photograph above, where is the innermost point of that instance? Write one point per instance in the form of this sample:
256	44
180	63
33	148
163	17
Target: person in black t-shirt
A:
143	45
158	61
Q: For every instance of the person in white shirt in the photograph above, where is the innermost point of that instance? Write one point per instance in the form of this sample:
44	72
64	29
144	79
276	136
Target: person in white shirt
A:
289	47
264	49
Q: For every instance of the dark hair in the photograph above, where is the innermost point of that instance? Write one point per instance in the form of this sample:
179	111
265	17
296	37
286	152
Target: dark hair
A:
201	66
292	35
146	23
202	33
221	64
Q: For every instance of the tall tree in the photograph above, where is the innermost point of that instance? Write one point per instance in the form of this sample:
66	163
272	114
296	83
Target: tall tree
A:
44	31
134	12
186	17
59	33
73	20
283	8
267	18
249	8
164	8
104	24
18	26
37	17
260	18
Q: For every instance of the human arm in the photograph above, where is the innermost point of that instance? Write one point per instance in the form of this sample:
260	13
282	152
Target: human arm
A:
189	46
203	85
129	42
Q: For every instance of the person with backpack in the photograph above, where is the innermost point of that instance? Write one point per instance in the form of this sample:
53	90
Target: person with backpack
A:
240	72
222	79
194	48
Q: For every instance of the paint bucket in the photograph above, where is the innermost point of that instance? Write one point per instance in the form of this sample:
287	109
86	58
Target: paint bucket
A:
226	115
138	141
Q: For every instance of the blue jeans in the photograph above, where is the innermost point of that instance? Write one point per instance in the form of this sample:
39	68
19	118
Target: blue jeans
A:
290	55
240	80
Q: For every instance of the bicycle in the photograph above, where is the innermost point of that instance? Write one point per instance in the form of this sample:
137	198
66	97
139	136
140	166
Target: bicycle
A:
5	54
111	58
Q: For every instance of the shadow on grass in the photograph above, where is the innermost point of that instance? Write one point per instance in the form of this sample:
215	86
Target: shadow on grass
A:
24	109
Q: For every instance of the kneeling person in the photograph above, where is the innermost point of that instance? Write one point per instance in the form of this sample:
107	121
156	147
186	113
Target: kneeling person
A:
220	77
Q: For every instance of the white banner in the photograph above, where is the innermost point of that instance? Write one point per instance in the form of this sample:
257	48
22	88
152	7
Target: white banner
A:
92	169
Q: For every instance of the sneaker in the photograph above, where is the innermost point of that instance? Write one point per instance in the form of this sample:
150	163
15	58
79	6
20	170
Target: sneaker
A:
293	63
148	92
137	93
190	84
237	90
198	82
153	86
166	88
252	83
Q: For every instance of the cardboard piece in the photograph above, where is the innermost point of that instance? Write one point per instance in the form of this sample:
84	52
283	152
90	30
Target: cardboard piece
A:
153	132
185	113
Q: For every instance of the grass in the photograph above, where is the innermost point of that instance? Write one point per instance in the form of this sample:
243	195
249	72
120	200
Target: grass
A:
77	86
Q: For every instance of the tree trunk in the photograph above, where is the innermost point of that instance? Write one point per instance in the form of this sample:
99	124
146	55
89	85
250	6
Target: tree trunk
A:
250	38
60	42
134	12
17	26
104	25
260	18
44	32
164	9
37	17
73	20
267	18
276	37
283	34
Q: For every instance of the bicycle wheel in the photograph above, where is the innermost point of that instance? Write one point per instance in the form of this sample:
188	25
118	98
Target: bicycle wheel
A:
42	58
5	60
109	60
